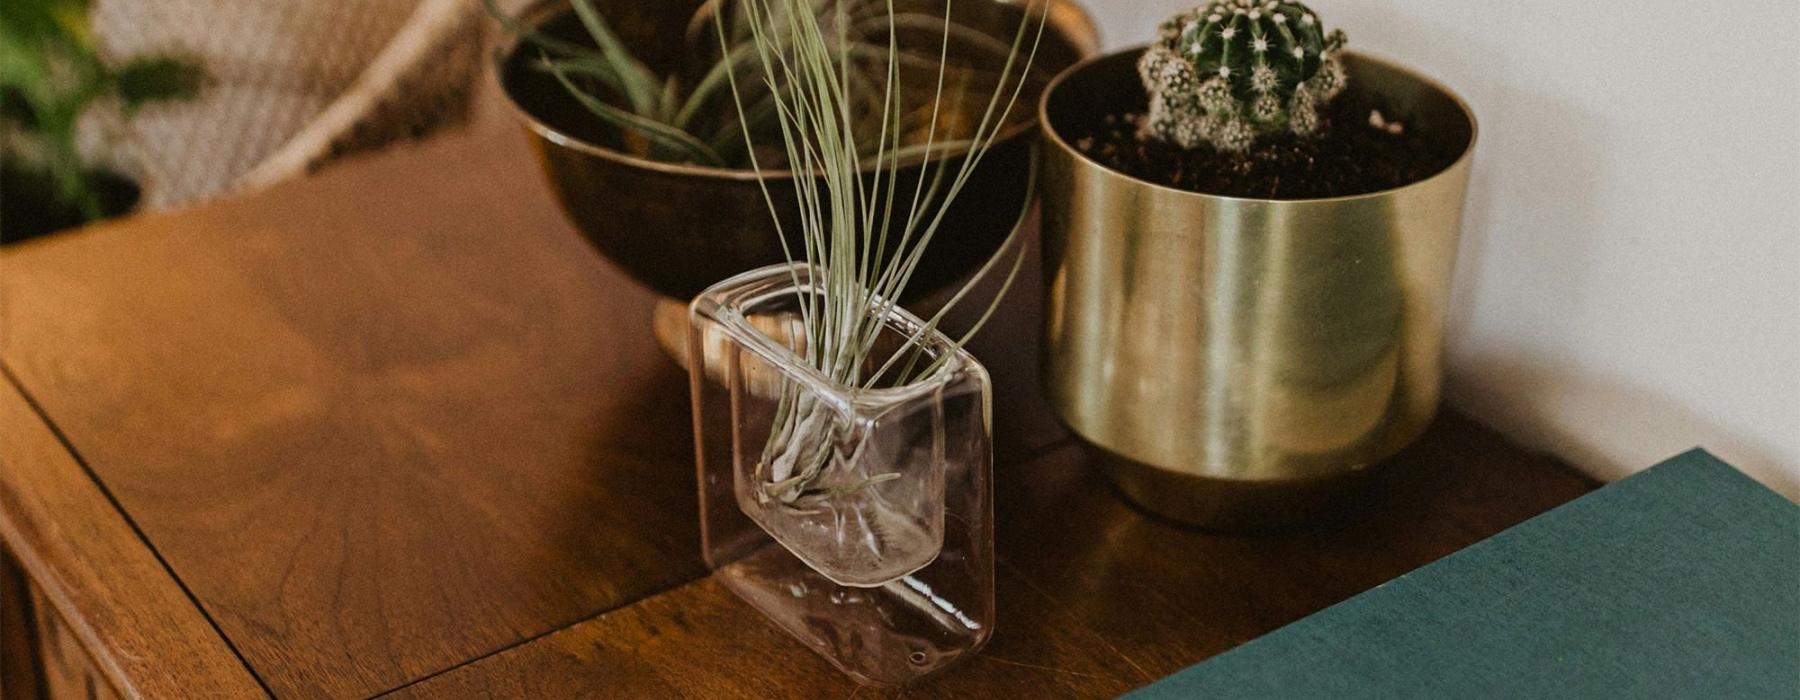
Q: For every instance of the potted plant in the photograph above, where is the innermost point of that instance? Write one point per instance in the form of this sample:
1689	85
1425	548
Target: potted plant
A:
634	127
844	444
51	74
1249	235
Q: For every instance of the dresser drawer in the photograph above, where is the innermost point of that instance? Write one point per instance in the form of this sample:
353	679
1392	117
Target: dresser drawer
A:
40	657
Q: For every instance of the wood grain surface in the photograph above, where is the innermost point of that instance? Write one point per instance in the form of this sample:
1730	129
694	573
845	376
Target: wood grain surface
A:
379	423
396	428
1096	599
96	579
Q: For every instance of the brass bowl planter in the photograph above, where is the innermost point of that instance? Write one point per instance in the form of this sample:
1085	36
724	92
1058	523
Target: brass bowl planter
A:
1240	363
680	228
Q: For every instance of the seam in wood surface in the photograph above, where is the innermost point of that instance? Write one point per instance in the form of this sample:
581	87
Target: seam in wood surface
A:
671	590
526	641
51	585
1028	457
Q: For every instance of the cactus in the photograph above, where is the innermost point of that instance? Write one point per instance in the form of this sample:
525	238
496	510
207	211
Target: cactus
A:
1230	71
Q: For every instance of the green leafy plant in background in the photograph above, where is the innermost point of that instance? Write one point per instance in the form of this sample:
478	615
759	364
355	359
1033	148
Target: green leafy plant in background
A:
1229	71
847	303
692	120
51	73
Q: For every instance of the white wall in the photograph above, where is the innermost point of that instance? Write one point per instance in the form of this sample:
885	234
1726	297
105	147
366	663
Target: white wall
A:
1629	285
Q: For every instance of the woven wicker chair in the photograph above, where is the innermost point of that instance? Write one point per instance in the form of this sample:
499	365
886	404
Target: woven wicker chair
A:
295	84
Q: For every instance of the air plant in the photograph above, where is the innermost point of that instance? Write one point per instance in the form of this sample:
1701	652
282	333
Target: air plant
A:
849	212
688	117
1230	71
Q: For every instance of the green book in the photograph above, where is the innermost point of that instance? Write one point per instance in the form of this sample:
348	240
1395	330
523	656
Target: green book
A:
1682	581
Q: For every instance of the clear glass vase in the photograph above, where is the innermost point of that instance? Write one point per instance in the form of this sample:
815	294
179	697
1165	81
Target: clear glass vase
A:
858	519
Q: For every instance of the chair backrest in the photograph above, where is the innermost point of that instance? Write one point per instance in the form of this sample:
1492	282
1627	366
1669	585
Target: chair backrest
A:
295	84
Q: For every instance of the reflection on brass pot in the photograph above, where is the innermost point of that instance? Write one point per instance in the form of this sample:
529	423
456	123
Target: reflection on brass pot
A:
1242	363
680	228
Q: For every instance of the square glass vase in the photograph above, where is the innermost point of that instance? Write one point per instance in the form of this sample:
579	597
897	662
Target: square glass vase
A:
859	520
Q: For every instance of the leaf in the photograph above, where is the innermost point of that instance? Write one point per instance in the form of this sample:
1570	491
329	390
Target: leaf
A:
47	55
593	67
741	57
542	40
16	109
671	96
37	21
27	31
637	82
661	134
21	66
71	17
157	79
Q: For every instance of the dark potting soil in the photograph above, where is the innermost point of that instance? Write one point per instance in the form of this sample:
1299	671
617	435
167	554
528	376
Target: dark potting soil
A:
1351	156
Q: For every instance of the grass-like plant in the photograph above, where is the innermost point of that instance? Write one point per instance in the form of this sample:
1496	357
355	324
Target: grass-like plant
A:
848	213
51	73
689	117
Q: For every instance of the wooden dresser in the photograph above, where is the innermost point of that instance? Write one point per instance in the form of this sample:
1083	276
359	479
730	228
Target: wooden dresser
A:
395	430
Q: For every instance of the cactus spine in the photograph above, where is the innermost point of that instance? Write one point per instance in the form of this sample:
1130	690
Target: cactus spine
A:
1232	70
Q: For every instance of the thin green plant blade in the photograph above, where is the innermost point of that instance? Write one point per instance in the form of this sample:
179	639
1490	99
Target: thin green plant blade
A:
661	134
636	81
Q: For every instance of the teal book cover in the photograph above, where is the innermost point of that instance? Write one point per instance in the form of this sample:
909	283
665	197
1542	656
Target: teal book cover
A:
1682	581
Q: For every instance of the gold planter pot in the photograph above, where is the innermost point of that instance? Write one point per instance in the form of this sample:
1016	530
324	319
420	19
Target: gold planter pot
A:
1243	364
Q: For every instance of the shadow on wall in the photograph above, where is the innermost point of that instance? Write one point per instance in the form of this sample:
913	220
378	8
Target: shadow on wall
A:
1606	425
1538	202
1545	188
1531	238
